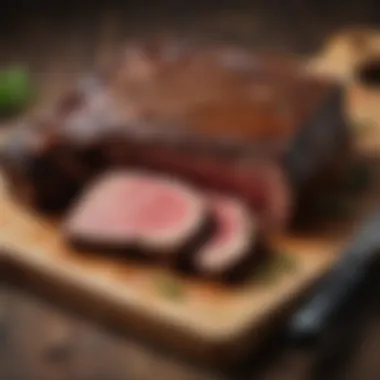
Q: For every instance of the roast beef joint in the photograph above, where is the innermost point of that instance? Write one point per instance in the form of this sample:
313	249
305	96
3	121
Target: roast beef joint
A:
173	137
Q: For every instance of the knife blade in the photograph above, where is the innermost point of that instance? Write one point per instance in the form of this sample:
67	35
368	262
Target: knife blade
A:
338	285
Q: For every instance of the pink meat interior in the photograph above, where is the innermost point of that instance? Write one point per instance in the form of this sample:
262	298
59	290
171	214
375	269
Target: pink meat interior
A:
233	236
165	209
126	206
228	222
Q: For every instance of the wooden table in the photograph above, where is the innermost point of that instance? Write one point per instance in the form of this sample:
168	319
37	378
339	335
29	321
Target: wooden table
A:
41	338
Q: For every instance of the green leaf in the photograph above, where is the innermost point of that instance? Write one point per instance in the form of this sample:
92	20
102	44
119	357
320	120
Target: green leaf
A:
275	267
169	287
286	262
265	274
364	126
16	90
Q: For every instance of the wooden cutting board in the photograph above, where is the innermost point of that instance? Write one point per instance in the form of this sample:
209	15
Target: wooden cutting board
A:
205	320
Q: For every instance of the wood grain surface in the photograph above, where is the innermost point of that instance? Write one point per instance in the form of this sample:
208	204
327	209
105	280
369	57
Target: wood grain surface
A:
43	339
209	321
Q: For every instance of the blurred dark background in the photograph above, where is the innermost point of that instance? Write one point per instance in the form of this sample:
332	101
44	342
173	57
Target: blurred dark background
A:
294	24
69	36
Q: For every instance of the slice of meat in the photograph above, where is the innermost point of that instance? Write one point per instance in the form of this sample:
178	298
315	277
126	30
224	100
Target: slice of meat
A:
133	209
234	239
262	184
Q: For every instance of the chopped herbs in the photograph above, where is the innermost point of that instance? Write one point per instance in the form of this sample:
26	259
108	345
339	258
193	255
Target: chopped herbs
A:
265	274
273	268
363	127
16	90
169	287
286	262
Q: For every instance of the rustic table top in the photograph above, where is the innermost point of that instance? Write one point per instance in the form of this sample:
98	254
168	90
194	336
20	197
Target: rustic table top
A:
41	338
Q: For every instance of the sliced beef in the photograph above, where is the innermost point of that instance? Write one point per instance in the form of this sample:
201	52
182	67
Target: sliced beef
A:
56	175
261	183
123	211
153	217
234	240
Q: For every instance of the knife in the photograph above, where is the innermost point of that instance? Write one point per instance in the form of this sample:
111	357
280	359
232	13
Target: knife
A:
339	284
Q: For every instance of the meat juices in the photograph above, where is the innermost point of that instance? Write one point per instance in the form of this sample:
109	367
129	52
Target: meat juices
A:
233	240
123	210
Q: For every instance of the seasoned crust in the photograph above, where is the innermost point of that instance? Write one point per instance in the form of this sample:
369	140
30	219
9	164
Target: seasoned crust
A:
191	103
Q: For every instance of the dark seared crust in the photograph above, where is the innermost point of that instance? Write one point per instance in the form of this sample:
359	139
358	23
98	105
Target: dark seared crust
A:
182	261
53	176
178	259
245	268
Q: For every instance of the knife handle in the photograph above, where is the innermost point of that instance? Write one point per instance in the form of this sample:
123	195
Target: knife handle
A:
312	318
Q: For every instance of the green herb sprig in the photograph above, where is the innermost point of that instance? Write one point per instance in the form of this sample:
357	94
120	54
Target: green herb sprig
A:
169	287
